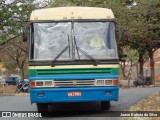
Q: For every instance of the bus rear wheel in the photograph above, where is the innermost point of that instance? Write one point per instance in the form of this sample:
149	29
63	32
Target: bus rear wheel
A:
42	108
105	105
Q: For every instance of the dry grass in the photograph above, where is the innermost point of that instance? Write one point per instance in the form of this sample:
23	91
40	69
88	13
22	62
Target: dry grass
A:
7	89
151	103
10	90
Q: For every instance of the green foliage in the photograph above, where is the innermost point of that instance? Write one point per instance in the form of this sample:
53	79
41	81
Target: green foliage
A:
142	25
13	16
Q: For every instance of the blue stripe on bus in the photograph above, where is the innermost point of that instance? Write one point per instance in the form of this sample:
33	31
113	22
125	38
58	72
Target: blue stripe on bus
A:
74	77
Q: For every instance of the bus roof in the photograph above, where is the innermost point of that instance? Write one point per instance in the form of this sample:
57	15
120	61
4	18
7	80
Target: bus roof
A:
69	13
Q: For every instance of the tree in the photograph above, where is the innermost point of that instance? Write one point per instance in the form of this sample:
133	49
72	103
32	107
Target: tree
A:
62	3
130	60
13	17
142	26
153	19
18	55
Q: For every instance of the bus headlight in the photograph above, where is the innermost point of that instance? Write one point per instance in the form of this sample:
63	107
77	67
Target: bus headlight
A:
48	83
106	82
100	82
39	83
42	83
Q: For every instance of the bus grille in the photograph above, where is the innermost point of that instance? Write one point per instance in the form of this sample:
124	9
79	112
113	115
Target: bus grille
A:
74	83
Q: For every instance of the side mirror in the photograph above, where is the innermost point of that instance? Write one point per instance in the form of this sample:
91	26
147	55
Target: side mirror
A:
120	34
26	34
120	53
24	37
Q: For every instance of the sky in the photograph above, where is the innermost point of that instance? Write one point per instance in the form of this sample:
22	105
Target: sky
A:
9	1
40	3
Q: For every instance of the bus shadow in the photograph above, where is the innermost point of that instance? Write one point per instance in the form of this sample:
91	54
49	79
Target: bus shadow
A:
85	109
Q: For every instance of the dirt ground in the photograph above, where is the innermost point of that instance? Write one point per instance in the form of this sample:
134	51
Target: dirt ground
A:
7	89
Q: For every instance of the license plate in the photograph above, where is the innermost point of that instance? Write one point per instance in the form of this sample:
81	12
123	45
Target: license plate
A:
71	94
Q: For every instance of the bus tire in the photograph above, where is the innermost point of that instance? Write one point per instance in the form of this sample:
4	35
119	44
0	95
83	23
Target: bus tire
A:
105	105
42	108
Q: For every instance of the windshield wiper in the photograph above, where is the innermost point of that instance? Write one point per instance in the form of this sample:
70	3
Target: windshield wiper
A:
64	50
77	49
53	61
89	56
85	53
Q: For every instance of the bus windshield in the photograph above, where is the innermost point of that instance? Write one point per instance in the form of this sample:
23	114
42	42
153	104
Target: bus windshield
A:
70	40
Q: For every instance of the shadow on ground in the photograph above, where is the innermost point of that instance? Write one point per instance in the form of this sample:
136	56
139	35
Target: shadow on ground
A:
85	109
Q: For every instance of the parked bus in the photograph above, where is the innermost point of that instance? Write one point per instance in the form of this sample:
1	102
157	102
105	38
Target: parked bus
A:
73	56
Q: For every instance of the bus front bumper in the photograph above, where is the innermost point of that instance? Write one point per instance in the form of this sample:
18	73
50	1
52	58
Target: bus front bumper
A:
91	94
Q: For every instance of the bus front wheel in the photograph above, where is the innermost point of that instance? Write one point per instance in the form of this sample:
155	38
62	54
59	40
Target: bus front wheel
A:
42	107
105	105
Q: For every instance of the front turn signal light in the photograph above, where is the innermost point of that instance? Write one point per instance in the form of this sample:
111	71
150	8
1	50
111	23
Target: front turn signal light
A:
115	82
32	84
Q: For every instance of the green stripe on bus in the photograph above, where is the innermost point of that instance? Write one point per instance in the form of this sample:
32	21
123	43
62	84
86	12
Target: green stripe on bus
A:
74	71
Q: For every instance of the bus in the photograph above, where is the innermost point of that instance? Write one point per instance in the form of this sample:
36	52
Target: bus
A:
73	56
